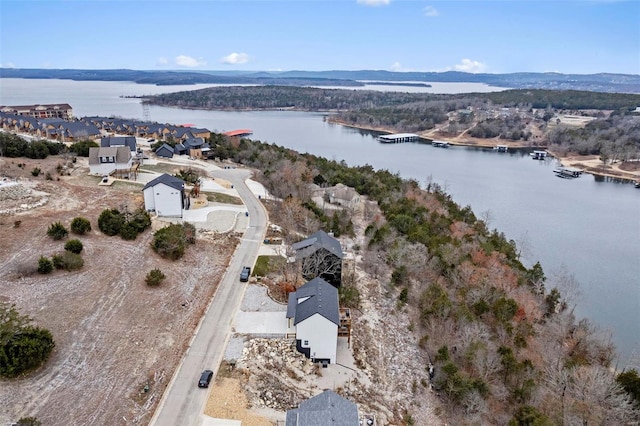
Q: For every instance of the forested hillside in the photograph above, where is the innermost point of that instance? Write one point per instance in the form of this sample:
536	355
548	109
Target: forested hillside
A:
504	343
530	116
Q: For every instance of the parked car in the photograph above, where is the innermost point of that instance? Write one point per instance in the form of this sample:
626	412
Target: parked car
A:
205	379
244	275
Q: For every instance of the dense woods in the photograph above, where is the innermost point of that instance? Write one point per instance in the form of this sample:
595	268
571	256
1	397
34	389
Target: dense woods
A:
505	346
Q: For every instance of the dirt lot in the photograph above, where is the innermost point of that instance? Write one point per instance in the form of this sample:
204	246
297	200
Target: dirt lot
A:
114	335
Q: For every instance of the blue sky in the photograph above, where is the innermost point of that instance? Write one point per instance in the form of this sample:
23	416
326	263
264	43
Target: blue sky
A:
568	36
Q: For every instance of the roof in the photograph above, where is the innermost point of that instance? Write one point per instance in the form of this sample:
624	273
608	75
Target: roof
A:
168	150
239	132
122	154
129	141
325	409
166	179
320	298
318	239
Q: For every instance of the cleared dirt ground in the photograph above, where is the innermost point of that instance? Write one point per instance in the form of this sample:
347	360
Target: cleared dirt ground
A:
117	340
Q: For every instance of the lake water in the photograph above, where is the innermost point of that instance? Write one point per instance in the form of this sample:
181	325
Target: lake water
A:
586	227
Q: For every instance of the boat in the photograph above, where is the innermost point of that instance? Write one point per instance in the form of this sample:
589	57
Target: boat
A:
501	148
440	144
567	172
538	155
636	184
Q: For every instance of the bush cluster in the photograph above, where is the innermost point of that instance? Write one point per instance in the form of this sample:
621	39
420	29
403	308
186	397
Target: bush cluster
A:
171	241
68	261
128	226
74	246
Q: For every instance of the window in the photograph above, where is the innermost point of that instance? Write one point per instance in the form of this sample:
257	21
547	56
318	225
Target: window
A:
305	343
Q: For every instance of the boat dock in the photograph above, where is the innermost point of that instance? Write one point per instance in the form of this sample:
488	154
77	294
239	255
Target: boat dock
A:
399	138
501	148
567	172
539	155
440	144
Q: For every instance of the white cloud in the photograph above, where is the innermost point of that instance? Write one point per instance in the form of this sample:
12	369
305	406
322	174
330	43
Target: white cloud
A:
467	65
8	65
235	58
162	61
374	2
188	61
430	11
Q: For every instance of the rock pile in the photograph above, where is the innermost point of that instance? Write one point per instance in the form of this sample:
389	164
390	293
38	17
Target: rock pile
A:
16	198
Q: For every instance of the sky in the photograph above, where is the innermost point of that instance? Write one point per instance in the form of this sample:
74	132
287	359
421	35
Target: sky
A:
503	36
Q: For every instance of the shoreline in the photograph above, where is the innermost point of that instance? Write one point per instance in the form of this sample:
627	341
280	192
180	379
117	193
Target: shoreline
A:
587	163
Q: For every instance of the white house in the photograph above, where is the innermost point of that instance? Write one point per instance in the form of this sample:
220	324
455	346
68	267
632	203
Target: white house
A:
104	161
314	313
165	196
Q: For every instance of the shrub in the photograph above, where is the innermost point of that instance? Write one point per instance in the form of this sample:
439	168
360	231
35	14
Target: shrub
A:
82	148
45	265
140	220
155	277
36	171
170	242
74	246
29	421
24	349
57	231
58	261
80	225
129	231
404	296
110	221
72	261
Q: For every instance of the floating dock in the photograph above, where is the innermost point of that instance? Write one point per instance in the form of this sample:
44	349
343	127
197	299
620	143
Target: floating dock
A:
399	138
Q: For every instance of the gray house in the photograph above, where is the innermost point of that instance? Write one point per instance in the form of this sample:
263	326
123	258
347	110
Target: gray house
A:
314	312
165	150
321	256
325	409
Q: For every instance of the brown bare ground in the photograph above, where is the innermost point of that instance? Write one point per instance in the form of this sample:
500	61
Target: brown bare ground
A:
114	335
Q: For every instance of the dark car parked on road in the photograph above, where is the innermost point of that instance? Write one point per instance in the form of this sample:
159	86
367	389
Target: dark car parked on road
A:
244	275
205	379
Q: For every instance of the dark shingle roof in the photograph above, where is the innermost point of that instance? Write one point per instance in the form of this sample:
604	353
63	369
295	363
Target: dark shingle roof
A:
129	141
322	298
168	180
318	239
325	409
165	150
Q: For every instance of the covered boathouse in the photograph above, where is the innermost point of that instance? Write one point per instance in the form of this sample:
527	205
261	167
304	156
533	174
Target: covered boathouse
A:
399	138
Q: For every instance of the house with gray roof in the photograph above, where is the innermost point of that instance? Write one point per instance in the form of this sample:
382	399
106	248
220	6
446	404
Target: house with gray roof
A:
321	256
325	409
165	196
128	141
165	151
104	161
313	311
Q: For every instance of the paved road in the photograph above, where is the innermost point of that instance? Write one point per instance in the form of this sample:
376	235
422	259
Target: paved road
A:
183	402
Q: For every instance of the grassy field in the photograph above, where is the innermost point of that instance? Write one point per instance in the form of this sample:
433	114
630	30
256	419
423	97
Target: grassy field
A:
216	197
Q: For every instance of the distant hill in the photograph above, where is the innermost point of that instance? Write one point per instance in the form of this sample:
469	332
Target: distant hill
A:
603	82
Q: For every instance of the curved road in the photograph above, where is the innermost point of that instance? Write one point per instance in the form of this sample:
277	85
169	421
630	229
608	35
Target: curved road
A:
183	402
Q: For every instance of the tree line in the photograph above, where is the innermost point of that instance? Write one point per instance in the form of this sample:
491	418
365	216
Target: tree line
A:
502	339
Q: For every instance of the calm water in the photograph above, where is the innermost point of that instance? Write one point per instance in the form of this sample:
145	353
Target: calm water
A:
587	227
